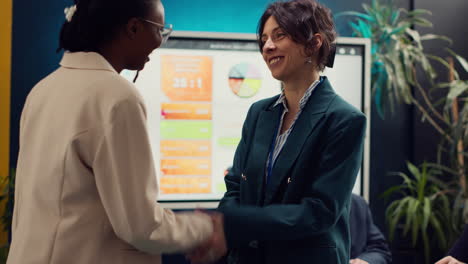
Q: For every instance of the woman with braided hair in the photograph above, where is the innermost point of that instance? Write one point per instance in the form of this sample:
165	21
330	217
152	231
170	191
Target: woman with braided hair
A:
86	185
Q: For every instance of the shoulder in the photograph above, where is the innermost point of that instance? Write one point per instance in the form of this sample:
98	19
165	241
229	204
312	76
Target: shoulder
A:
259	106
359	206
336	109
357	200
264	103
107	95
339	108
114	89
119	96
342	115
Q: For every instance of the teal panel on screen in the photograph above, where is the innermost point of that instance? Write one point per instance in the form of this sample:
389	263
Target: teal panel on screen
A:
239	16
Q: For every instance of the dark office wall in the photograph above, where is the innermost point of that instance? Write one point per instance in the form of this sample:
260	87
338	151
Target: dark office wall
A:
35	38
449	18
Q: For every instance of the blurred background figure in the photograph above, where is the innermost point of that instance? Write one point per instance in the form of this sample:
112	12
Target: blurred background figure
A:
368	244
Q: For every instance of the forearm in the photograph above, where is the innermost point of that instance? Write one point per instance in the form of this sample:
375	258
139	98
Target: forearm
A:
277	222
126	182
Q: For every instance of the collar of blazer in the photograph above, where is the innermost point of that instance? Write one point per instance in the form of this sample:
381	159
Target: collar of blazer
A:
86	61
313	112
316	103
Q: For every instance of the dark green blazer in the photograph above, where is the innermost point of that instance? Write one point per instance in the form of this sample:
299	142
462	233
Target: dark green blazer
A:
301	215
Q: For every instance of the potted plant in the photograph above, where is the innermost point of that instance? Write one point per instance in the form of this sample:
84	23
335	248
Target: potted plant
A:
6	198
396	50
399	67
423	205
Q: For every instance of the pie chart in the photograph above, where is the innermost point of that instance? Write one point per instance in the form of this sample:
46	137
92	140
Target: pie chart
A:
245	80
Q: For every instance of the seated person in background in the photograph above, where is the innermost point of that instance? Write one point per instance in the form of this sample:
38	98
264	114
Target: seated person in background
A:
368	245
459	251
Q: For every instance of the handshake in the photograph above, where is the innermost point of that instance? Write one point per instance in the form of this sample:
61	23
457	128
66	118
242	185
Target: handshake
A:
215	247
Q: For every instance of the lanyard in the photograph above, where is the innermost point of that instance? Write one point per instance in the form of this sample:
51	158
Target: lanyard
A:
273	143
272	149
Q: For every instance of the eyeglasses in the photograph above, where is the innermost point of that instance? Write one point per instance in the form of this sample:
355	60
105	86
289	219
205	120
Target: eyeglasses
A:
164	30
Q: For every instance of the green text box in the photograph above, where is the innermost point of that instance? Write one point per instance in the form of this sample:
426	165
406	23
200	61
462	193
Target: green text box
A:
186	129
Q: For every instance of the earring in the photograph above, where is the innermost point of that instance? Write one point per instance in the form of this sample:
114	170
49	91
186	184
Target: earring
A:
308	60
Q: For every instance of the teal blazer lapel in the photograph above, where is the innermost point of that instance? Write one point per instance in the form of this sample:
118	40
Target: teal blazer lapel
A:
311	115
268	121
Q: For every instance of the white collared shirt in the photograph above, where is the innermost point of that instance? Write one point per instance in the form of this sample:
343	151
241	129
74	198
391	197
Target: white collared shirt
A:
281	138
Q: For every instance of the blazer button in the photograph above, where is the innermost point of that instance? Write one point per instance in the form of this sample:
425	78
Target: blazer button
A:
244	177
253	244
289	180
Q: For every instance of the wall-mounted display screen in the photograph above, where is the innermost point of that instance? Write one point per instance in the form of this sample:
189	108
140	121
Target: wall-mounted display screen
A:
198	89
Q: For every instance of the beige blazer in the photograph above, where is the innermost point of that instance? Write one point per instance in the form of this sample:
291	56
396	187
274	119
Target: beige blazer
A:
86	185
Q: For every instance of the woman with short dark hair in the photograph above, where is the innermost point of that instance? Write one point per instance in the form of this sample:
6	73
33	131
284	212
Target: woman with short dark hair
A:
288	191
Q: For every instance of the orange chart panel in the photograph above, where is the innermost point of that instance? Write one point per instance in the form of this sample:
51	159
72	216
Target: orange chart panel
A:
185	148
185	185
187	78
186	111
186	166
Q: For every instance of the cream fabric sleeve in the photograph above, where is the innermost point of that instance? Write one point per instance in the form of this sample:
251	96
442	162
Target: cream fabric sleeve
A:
126	181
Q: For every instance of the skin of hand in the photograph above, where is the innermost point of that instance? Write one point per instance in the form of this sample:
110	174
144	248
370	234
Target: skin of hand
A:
358	261
215	247
449	260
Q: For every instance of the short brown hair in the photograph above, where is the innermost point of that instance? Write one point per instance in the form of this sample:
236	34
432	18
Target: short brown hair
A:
301	19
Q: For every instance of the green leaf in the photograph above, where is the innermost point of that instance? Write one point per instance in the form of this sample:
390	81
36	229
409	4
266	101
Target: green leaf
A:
356	29
438	229
422	22
426	247
456	89
395	16
460	59
368	9
400	29
415	36
394	213
357	14
426	214
427	66
414	232
422	183
444	63
390	216
408	66
385	195
406	180
364	29
434	36
418	12
411	216
414	170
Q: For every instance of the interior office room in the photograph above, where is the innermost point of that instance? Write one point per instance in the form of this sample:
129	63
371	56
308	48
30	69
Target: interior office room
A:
402	63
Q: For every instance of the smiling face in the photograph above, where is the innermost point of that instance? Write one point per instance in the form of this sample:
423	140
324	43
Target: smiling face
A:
285	58
146	37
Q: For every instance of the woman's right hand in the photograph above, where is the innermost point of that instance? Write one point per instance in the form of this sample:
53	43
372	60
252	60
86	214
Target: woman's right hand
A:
449	260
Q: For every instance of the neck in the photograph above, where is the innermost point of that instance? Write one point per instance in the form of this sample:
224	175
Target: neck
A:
295	89
110	53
